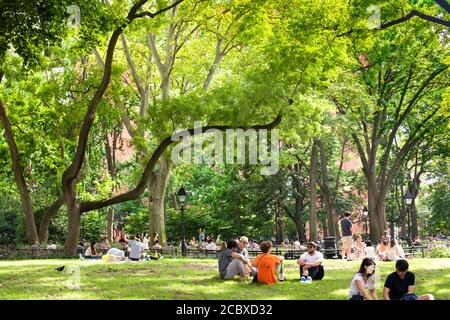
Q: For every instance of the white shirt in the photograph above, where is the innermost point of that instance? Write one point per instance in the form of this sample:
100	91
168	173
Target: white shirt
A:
116	252
51	247
88	252
136	249
145	243
297	245
307	258
392	253
211	246
370	252
370	284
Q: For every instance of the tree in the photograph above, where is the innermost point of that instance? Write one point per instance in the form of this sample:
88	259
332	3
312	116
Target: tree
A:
396	85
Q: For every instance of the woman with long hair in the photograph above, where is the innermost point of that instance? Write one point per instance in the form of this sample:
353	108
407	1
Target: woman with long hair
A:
91	252
359	248
362	286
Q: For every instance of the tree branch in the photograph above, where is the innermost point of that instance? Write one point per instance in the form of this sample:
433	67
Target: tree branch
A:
140	188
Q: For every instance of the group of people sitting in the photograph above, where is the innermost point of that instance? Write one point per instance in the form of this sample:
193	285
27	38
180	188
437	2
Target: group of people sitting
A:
384	251
399	285
134	249
266	268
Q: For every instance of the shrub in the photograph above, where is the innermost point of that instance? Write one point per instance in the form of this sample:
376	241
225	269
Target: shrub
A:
439	252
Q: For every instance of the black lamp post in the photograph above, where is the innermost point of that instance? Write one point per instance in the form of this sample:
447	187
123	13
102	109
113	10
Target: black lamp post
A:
408	199
182	199
366	216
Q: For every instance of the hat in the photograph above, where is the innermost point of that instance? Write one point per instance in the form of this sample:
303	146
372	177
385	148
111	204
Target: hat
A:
312	243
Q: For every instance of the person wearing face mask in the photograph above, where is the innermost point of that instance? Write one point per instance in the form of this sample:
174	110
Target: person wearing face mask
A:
362	286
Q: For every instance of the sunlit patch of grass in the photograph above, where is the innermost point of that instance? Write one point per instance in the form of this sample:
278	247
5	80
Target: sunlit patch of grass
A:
195	279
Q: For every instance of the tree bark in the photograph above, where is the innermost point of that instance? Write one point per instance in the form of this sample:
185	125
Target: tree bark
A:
327	198
157	223
110	225
47	217
313	194
27	206
70	174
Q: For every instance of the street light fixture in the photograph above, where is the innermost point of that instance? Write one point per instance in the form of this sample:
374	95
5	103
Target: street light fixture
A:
408	199
182	199
366	216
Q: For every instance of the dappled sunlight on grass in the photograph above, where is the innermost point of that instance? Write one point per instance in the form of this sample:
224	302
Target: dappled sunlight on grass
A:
195	279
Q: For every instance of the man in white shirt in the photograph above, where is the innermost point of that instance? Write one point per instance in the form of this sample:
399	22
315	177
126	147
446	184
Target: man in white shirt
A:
137	248
242	249
311	264
211	245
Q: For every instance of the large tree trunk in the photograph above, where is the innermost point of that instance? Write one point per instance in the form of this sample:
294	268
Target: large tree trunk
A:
375	231
47	217
111	161
73	219
298	220
159	186
110	225
27	207
327	198
313	194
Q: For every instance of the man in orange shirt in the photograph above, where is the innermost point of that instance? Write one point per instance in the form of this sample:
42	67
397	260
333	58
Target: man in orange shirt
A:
270	267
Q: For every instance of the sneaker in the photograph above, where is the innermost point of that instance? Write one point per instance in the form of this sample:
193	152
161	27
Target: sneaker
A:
303	279
308	280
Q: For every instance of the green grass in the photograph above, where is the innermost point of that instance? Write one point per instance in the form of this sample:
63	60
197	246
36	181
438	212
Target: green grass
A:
195	279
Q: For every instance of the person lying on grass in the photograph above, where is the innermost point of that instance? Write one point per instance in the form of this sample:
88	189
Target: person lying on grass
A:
399	285
269	266
311	264
232	263
362	281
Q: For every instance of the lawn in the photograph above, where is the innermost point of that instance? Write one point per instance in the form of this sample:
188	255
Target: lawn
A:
193	279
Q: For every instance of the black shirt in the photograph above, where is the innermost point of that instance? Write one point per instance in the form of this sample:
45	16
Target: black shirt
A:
398	287
346	226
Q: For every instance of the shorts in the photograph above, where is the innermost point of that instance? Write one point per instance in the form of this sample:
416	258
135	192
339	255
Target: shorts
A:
347	242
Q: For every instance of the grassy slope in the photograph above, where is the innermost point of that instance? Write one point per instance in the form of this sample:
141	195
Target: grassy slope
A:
194	279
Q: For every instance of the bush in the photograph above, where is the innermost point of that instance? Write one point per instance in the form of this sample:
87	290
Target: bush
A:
440	252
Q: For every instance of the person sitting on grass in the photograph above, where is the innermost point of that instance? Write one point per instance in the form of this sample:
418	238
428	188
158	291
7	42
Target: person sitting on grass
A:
136	246
311	264
382	251
105	245
242	249
91	252
359	248
211	245
394	252
364	279
369	250
399	285
232	263
269	266
51	247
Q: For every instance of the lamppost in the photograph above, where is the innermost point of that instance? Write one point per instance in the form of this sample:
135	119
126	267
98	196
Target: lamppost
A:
408	199
182	199
366	216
